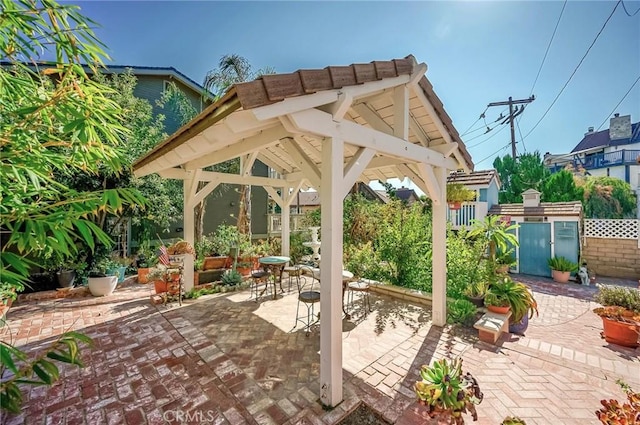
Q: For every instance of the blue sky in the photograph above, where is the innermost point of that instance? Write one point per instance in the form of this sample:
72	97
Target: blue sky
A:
477	52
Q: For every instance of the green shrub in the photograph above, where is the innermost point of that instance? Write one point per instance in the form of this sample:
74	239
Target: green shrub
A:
461	311
231	278
197	293
611	295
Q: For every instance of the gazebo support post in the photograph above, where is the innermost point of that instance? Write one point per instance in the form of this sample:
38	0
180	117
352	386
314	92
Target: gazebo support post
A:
331	272
439	239
285	224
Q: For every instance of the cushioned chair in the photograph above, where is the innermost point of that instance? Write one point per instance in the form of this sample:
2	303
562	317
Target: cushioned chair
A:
308	296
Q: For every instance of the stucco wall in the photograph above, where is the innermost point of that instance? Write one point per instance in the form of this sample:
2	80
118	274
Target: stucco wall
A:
613	257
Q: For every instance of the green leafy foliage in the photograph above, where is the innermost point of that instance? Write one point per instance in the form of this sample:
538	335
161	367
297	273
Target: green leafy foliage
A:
18	370
231	278
457	192
561	187
620	296
461	311
506	292
608	197
526	172
67	123
197	293
447	392
562	264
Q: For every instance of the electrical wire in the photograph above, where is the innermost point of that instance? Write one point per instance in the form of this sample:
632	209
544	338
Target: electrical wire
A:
621	100
485	126
485	140
548	47
474	123
524	148
627	12
574	71
496	152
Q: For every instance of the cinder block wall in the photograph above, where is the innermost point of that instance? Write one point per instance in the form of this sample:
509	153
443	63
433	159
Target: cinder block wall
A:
613	257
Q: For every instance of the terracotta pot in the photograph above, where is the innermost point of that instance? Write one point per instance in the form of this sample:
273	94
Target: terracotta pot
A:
499	310
502	268
620	333
244	271
162	286
560	277
143	275
477	301
212	263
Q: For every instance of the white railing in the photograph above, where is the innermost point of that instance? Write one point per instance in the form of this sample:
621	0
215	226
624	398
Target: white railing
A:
468	211
274	223
612	228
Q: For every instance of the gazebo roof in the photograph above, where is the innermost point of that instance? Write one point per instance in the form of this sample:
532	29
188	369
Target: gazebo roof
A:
359	93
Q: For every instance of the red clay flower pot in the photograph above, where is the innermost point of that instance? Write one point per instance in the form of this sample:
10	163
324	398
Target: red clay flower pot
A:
499	310
620	333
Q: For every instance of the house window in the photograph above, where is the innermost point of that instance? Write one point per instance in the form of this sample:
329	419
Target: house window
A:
483	195
165	85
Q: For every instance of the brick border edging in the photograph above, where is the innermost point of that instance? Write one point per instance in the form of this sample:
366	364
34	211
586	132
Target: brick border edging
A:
77	292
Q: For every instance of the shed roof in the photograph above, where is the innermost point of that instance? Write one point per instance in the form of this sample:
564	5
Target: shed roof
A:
573	208
482	177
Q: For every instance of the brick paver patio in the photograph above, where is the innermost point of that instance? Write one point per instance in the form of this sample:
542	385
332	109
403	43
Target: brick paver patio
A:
226	360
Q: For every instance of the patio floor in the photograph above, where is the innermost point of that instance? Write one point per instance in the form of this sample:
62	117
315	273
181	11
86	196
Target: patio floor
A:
226	360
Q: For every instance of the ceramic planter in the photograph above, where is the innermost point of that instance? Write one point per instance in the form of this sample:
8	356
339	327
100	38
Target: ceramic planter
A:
560	277
102	286
66	278
477	301
521	327
620	333
162	286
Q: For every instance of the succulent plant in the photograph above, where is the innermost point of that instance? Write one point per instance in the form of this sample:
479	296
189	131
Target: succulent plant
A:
613	412
513	420
447	392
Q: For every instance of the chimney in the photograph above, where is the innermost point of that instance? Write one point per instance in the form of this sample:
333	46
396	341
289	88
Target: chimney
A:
589	131
620	127
531	198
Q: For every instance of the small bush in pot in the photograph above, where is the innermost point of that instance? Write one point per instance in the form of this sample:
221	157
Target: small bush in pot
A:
461	311
448	393
620	314
562	268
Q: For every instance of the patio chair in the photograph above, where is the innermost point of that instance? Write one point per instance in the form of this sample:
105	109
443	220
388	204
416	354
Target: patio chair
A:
309	296
259	277
361	287
293	271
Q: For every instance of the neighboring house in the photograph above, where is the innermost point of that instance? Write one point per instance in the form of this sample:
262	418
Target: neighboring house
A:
406	195
614	152
545	230
486	184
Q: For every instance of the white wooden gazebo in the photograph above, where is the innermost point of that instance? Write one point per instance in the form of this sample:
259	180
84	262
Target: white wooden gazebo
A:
326	129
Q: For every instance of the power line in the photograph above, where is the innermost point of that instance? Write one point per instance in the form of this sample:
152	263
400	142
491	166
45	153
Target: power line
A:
574	71
474	123
621	100
489	156
487	139
524	148
548	47
627	12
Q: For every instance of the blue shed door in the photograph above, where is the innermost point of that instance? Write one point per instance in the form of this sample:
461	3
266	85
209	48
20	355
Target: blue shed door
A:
535	248
565	240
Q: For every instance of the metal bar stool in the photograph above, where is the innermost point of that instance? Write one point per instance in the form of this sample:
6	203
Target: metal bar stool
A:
293	271
309	296
258	277
363	288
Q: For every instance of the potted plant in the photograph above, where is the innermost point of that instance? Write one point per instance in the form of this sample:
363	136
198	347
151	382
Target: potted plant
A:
119	266
103	278
620	313
457	193
145	260
7	296
507	295
476	292
613	412
208	254
513	420
504	261
231	278
223	241
447	392
561	268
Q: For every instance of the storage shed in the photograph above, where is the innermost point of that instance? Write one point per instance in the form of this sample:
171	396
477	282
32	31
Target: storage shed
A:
546	229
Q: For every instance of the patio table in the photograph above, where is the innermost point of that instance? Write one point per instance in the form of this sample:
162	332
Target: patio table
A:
276	265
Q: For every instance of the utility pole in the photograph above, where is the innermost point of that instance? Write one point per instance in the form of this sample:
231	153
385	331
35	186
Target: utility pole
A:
512	114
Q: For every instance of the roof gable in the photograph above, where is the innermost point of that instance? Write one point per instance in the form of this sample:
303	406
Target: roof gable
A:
601	139
475	178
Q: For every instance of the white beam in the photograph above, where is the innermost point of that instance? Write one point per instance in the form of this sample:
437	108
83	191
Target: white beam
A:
401	112
294	191
435	189
235	149
447	149
331	272
274	195
275	155
194	180
418	73
341	106
371	116
432	113
321	123
188	213
439	251
422	135
208	176
355	167
271	164
311	150
414	177
202	193
248	161
302	161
